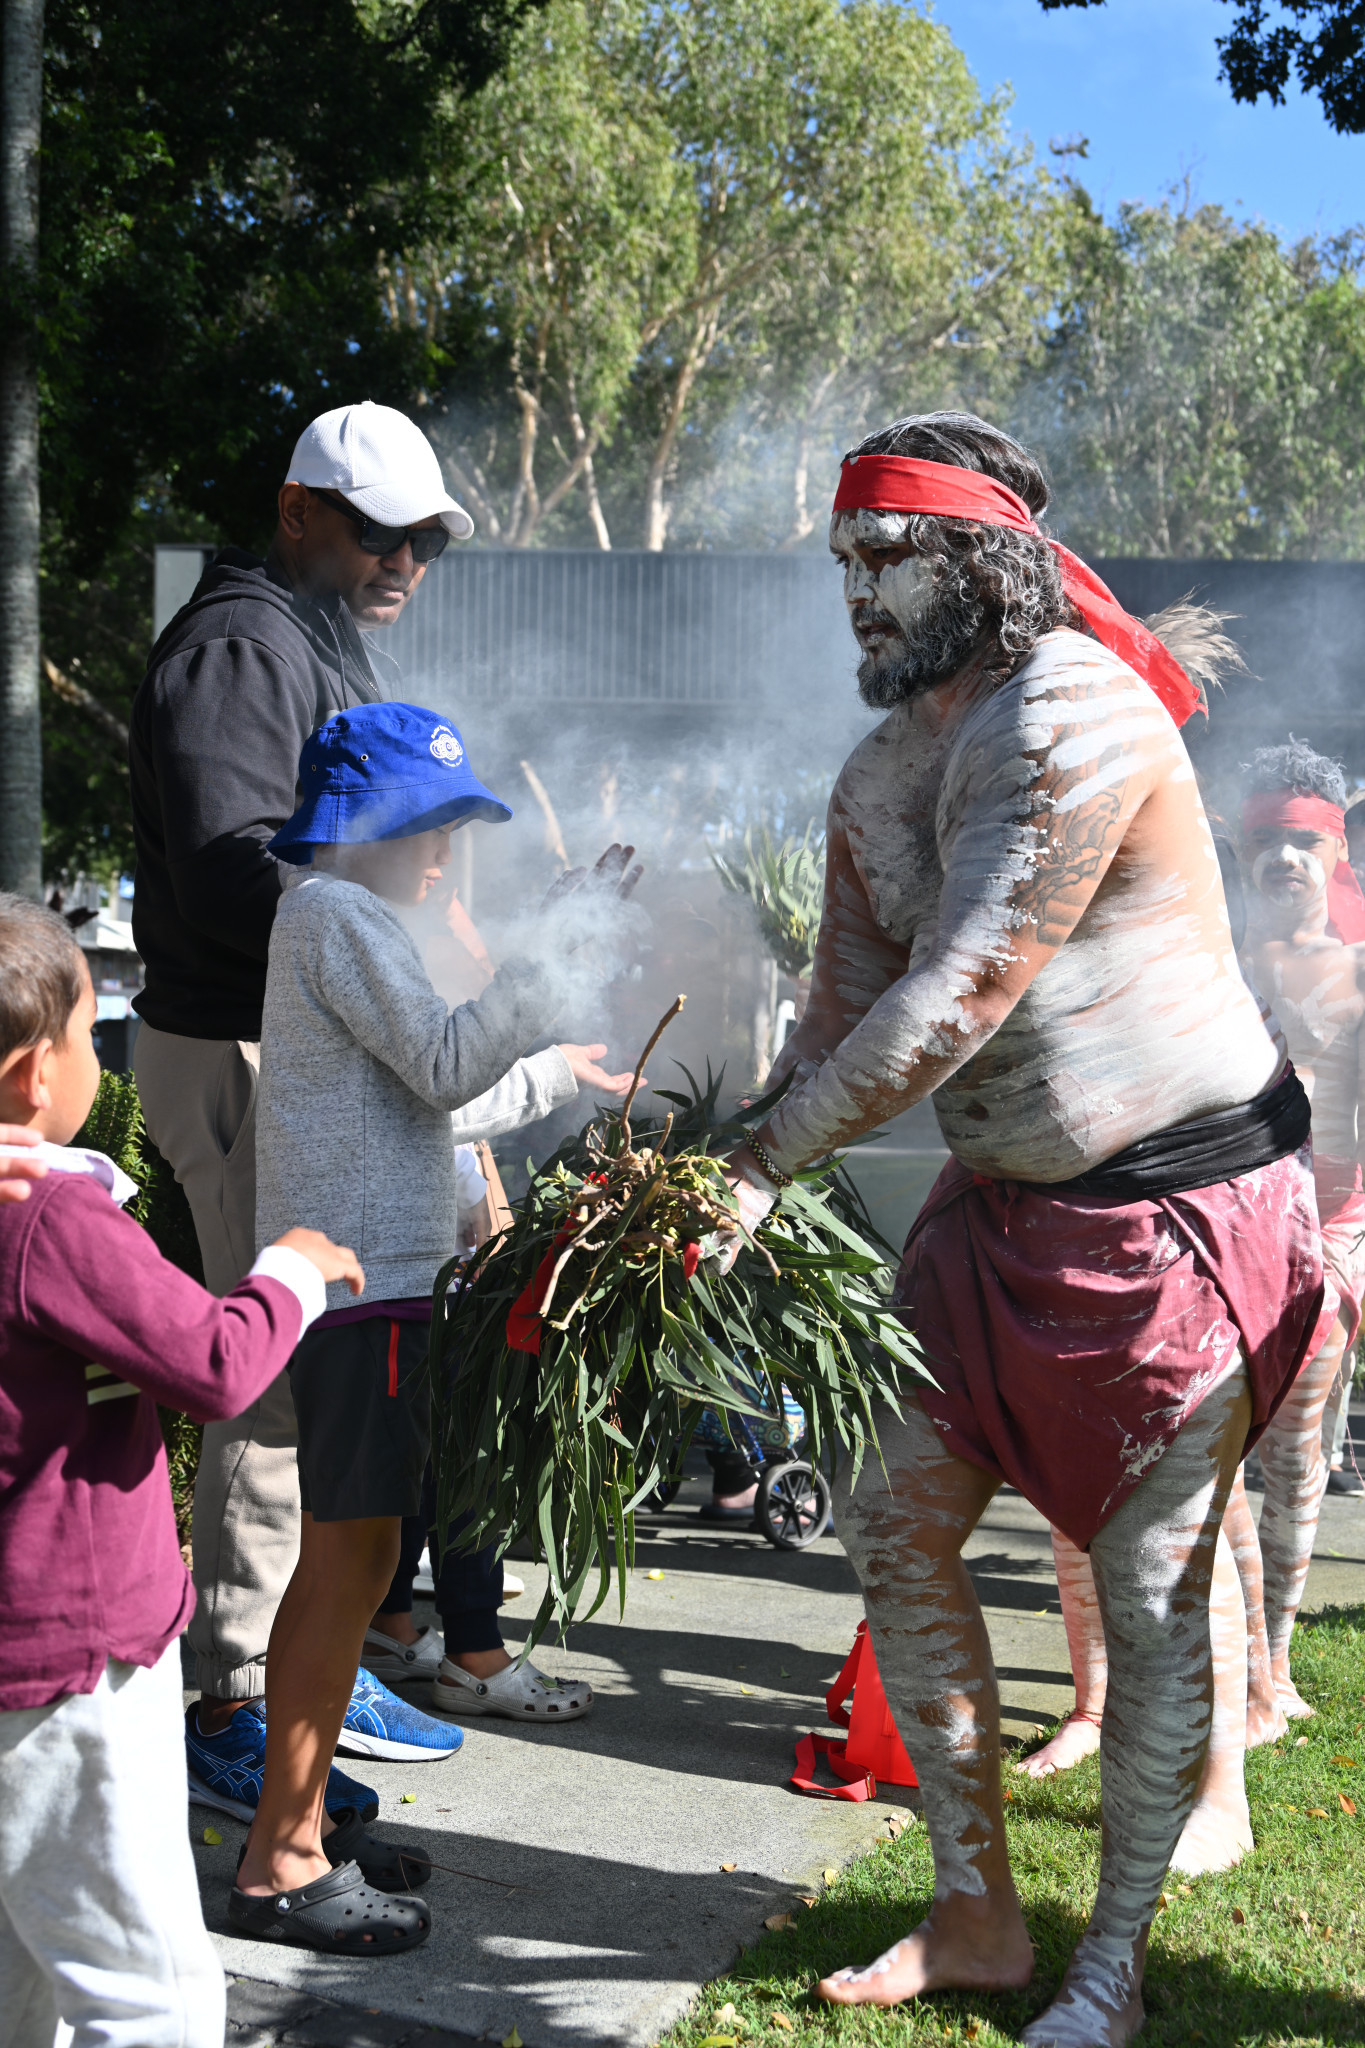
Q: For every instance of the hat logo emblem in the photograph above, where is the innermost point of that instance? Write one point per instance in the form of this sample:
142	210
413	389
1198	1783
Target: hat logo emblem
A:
446	747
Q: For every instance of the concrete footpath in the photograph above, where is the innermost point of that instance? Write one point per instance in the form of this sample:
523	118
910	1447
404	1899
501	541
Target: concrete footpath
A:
584	1898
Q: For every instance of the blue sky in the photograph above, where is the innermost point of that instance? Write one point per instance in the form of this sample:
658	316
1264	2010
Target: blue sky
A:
1140	79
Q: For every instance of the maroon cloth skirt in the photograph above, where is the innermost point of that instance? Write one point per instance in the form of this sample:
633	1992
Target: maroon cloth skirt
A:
1070	1338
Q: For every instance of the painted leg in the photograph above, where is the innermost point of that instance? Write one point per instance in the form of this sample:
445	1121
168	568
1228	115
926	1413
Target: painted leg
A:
1265	1715
1295	1476
1153	1565
1217	1834
934	1656
1079	1734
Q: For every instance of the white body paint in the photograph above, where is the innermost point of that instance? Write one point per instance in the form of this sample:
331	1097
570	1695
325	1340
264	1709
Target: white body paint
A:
1139	1021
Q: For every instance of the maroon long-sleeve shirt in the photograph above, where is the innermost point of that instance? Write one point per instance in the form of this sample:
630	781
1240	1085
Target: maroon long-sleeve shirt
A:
96	1328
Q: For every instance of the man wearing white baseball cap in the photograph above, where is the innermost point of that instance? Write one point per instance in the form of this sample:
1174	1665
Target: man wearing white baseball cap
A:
263	654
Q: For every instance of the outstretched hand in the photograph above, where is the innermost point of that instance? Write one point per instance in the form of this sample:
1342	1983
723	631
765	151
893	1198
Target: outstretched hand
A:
613	876
585	1070
333	1261
16	1172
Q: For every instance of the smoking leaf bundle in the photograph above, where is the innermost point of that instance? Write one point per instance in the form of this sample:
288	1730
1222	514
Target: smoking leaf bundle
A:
572	1362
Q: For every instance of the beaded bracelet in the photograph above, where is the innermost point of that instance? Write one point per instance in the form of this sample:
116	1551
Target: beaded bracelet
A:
768	1163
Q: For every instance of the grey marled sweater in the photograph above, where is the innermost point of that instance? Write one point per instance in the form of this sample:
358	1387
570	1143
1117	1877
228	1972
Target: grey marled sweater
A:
361	1066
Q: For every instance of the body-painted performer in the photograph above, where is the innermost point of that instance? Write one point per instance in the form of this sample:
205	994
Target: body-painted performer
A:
1306	921
1117	1274
1305	952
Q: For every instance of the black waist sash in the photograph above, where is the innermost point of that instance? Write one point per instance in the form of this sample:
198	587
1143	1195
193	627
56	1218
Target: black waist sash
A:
1200	1153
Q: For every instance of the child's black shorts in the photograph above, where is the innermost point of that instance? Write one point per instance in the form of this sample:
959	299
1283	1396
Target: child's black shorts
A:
364	1409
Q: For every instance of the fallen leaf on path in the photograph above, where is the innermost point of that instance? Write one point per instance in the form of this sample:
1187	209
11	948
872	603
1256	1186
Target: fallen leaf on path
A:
782	1671
1185	1890
780	2020
830	1875
1162	1903
1316	1812
407	1799
512	2040
777	1922
895	1827
1302	1742
729	1866
1348	1763
653	1575
212	1837
1239	1918
727	2016
747	1691
1346	1805
807	1898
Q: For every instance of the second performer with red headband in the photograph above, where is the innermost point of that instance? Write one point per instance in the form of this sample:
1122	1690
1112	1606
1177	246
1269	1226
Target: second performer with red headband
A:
1118	1274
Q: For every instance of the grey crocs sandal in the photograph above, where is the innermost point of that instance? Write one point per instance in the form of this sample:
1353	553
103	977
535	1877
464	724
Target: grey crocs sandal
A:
338	1914
388	1866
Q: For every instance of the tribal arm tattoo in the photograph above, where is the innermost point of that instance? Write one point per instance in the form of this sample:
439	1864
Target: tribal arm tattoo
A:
1041	788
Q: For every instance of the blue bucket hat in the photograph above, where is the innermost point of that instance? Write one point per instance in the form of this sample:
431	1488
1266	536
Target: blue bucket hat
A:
382	771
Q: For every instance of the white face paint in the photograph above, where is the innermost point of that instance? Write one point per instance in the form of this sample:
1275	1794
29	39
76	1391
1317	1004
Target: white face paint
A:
1288	876
900	591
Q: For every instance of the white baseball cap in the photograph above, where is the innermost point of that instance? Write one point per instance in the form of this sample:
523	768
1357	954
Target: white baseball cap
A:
381	462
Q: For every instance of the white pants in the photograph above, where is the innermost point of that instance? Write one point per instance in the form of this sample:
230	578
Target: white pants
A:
100	1927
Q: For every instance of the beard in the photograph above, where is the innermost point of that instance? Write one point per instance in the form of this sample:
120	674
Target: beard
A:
926	650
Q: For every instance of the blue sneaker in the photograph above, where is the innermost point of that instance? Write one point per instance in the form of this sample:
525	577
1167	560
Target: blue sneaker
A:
379	1724
225	1770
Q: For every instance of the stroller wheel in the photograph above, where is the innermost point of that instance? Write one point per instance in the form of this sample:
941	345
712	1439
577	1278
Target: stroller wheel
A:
793	1503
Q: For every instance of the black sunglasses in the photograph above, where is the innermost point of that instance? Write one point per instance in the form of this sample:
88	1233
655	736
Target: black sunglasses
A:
426	542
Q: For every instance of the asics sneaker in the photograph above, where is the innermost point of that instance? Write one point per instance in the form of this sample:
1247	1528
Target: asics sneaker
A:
379	1724
225	1770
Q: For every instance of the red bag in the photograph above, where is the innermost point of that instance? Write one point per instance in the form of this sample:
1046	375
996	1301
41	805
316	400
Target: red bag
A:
873	1750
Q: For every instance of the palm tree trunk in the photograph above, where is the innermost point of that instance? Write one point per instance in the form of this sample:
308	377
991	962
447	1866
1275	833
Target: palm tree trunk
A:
21	760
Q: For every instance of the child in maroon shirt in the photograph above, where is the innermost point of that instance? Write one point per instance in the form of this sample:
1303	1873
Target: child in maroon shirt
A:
100	1924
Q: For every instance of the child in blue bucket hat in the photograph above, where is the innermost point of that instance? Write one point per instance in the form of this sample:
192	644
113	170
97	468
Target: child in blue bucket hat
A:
367	1083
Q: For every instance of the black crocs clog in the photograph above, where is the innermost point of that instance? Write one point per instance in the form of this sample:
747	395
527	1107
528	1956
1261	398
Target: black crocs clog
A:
388	1866
338	1914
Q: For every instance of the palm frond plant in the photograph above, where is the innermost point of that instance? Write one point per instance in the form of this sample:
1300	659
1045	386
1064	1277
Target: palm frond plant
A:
786	884
570	1365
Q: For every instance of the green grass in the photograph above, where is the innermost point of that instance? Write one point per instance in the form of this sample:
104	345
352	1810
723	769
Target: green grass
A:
1290	1970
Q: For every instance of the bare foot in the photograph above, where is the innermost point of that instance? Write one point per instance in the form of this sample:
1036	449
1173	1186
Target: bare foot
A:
964	1944
1099	2004
1265	1719
1216	1836
1290	1703
1078	1736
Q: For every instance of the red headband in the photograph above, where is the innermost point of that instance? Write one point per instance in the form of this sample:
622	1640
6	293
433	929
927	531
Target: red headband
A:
1285	807
1299	813
899	483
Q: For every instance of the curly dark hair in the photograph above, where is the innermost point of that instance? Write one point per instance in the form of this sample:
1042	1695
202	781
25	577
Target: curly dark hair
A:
988	576
1295	766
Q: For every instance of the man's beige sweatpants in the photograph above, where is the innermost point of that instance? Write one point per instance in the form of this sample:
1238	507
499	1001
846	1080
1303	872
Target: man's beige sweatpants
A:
199	1100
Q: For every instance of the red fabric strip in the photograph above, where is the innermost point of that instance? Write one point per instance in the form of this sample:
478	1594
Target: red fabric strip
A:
900	483
393	1361
1299	813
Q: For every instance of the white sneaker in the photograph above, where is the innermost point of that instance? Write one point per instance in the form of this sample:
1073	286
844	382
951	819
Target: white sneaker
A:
512	1586
521	1693
400	1663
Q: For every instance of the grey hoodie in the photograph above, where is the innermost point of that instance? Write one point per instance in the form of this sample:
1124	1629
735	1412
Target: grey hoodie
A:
361	1066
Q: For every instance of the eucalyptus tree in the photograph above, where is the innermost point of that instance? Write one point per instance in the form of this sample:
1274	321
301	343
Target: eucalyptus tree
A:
1202	391
666	214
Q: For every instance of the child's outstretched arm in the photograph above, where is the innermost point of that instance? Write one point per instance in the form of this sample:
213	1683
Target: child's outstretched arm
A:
96	1284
